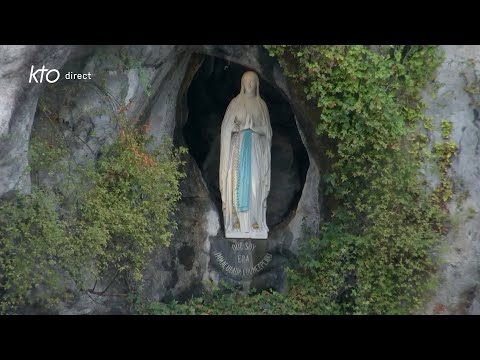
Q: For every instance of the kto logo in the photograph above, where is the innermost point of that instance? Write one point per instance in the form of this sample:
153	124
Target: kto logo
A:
48	75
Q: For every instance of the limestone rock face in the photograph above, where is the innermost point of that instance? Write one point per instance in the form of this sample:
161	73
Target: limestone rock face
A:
18	102
155	87
459	290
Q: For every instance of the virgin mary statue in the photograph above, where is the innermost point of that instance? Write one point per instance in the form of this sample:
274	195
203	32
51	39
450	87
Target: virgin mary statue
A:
244	174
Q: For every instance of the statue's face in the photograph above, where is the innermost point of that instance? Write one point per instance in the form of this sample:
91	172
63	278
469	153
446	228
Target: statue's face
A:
250	83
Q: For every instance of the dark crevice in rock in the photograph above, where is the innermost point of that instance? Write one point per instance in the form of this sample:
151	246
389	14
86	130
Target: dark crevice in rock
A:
182	110
186	256
476	122
466	300
194	291
460	141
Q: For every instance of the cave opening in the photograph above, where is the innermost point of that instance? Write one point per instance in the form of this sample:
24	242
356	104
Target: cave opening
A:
214	85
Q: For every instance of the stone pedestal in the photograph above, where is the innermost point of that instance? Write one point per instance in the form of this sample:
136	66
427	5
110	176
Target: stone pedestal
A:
250	235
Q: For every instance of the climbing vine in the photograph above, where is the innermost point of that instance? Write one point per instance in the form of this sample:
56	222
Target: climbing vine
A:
96	223
374	255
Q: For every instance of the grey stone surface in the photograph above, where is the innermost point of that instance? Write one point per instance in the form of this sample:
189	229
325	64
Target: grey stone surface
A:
460	271
18	101
178	271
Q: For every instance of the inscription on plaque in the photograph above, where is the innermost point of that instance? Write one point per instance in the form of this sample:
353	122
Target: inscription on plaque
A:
243	265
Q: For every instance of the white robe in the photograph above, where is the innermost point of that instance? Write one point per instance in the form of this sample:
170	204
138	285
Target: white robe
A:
245	113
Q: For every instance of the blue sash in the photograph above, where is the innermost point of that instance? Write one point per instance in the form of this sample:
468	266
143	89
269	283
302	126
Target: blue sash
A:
244	172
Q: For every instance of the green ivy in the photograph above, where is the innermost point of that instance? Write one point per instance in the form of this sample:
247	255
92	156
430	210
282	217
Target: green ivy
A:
447	127
444	153
224	299
375	253
34	243
132	200
132	63
101	221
